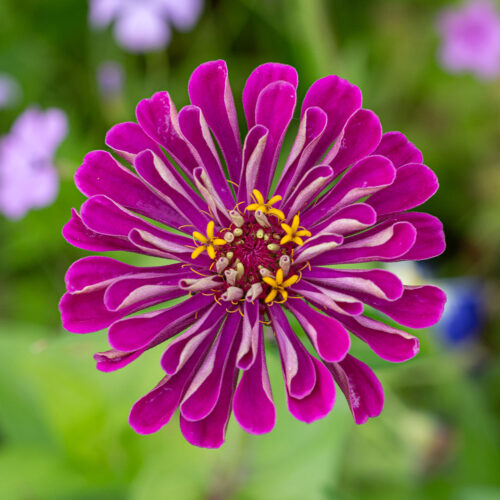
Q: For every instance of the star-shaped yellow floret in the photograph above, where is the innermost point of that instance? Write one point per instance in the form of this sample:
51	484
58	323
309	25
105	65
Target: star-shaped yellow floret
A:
278	285
266	208
208	242
292	233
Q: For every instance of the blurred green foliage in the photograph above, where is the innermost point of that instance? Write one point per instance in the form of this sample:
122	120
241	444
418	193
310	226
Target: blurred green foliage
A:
63	425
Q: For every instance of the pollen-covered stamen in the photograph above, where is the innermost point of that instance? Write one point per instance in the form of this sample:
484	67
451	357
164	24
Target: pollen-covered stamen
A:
279	286
208	242
293	232
265	207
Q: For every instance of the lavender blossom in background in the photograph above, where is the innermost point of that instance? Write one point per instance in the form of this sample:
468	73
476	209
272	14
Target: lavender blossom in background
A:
9	91
471	39
110	78
144	25
28	178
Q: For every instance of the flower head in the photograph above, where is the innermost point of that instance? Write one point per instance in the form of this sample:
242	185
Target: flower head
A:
28	178
245	254
143	25
471	39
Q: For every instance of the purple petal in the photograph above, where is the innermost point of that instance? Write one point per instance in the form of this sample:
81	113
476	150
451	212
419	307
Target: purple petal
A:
210	432
350	219
414	184
387	342
339	99
319	403
205	388
138	332
377	283
209	90
158	117
259	79
381	243
301	158
100	173
251	329
361	387
396	147
330	339
317	245
182	348
368	176
253	400
195	129
275	107
155	409
298	369
418	307
112	360
360	137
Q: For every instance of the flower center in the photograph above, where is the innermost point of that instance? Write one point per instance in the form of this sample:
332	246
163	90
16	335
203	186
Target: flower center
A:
254	255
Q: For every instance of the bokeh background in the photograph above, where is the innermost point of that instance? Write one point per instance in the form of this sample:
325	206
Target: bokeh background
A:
63	425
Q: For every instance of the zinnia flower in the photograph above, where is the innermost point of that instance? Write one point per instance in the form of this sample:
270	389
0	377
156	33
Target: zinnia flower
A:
250	248
28	178
471	39
143	25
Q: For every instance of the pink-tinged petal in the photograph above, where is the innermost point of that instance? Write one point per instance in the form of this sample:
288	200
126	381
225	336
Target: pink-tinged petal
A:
195	129
158	118
418	307
253	150
387	342
298	369
128	140
137	332
210	432
362	389
301	158
414	184
259	79
339	99
311	185
319	403
100	173
377	283
330	339
430	240
317	245
350	219
360	137
253	405
97	272
275	107
76	233
369	175
112	360
381	243
182	348
209	90
177	194
204	390
251	328
154	410
126	291
328	300
396	147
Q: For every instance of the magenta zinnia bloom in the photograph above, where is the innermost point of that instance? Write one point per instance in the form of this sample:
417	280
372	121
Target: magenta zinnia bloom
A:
248	256
471	39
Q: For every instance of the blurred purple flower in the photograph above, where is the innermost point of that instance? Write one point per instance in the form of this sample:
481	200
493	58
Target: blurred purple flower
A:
143	25
243	257
28	178
110	78
471	39
9	91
